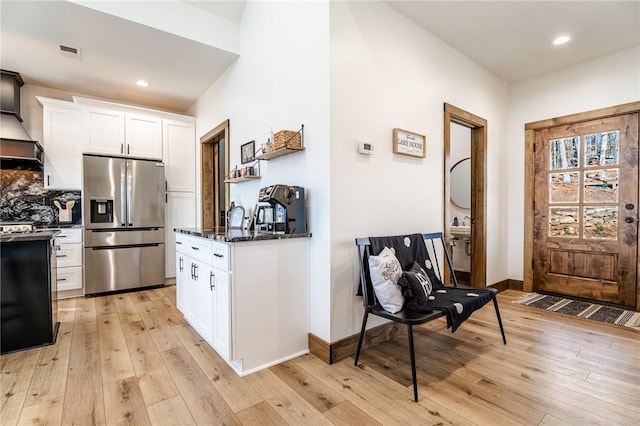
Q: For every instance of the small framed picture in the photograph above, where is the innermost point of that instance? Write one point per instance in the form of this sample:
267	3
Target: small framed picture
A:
247	152
409	143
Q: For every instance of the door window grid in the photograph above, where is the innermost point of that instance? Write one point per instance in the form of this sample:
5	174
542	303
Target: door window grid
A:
598	186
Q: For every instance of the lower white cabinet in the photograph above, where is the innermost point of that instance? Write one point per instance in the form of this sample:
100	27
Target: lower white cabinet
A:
248	299
69	262
202	291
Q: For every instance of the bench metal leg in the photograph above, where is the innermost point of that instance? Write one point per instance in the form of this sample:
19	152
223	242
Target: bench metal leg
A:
495	304
364	328
413	363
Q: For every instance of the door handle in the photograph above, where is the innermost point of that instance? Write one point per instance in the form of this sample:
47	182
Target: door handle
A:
180	264
212	284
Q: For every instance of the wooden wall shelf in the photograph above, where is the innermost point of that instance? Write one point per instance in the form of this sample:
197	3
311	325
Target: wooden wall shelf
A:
241	179
278	153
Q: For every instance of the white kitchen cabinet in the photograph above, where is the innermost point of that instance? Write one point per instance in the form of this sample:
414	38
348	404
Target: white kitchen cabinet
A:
113	132
182	265
196	284
143	136
179	154
258	302
61	125
103	131
180	212
221	312
69	262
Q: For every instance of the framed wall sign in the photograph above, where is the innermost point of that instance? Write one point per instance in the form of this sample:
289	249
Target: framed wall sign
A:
247	152
409	143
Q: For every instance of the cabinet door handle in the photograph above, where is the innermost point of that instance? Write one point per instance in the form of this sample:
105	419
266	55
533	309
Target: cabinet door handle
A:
61	279
192	274
61	255
128	149
195	248
195	269
218	255
212	278
121	148
48	180
179	242
180	264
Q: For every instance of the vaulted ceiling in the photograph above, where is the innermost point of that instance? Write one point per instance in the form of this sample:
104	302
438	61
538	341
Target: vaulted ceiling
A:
120	42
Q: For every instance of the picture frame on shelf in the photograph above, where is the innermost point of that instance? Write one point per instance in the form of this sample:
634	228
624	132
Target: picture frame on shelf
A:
248	152
409	143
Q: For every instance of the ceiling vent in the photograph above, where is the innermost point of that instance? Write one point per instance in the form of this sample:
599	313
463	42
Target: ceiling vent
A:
71	52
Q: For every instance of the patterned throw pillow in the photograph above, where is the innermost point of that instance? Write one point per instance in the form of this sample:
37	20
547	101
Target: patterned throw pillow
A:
385	272
420	287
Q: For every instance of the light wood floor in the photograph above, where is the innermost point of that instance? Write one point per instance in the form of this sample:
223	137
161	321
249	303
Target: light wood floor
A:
131	358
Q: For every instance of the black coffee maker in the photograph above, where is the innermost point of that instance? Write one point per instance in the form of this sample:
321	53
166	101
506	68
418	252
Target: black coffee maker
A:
281	209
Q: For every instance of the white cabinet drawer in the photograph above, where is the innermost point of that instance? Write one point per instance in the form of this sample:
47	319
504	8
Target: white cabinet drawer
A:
220	256
69	255
69	278
197	248
69	236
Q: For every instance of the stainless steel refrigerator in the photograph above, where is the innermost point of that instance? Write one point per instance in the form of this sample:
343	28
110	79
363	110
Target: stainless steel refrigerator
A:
123	210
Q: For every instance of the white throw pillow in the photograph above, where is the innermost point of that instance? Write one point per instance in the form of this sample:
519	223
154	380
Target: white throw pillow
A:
385	271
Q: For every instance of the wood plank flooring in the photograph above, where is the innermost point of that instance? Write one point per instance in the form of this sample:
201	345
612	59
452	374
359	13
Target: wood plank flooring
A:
132	359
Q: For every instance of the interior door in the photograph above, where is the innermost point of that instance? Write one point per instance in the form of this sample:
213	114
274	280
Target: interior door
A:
586	209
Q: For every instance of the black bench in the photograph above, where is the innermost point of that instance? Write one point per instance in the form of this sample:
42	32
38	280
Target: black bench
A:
435	249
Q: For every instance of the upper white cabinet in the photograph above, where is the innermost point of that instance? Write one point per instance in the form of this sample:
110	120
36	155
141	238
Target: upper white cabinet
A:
179	153
143	136
62	144
122	130
103	131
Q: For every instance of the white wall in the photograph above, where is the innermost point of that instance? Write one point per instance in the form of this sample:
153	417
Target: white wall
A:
387	72
281	81
600	83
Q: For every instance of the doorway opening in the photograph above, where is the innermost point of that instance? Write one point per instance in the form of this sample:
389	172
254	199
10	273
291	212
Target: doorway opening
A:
465	193
215	167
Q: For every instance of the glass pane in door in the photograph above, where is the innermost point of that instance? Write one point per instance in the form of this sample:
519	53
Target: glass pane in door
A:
601	222
601	186
563	187
563	221
601	149
564	153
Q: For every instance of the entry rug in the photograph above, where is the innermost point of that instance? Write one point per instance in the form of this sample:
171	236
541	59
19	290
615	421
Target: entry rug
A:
582	309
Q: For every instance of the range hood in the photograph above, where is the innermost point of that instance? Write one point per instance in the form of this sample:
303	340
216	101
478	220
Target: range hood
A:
17	149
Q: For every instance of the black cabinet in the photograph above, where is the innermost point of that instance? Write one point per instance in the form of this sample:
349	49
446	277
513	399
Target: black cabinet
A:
28	293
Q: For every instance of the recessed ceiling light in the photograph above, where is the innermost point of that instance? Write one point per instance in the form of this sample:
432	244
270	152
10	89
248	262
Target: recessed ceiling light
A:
561	40
142	83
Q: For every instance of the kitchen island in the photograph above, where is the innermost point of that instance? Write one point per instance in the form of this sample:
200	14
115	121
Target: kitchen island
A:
28	290
245	293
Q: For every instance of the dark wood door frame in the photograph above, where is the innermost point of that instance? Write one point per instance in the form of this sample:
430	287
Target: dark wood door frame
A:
478	128
530	130
210	182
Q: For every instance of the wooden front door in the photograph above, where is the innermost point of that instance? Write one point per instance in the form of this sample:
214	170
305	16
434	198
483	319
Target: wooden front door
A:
586	209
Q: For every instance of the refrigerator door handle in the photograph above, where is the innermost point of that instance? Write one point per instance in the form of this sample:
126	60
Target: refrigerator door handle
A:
129	195
123	195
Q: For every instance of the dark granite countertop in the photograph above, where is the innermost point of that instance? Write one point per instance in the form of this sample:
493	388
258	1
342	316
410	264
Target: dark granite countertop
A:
236	235
43	234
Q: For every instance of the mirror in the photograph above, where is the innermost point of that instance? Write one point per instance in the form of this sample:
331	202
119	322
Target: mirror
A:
461	183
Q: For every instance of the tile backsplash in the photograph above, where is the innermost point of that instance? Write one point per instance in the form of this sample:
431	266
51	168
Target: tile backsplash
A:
23	198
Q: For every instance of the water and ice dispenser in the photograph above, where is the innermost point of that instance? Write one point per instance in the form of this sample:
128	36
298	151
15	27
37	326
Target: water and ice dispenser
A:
101	211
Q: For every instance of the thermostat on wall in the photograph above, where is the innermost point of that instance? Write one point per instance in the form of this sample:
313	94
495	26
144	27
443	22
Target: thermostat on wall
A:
365	148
